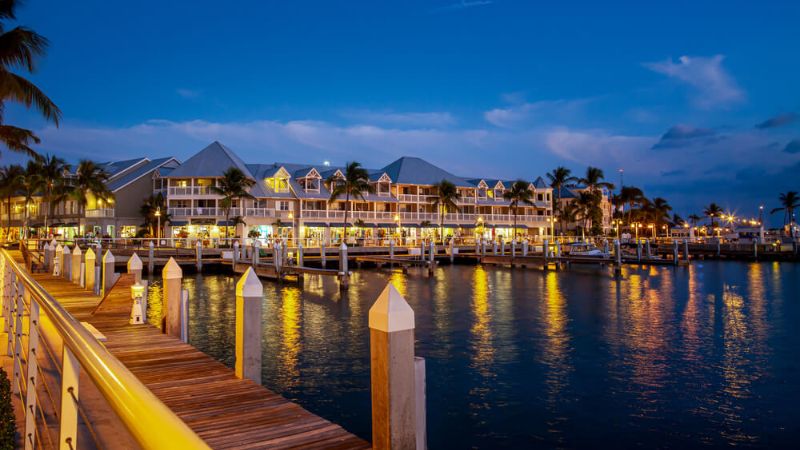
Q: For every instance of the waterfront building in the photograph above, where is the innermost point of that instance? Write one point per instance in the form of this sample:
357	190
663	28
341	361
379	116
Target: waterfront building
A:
570	194
291	201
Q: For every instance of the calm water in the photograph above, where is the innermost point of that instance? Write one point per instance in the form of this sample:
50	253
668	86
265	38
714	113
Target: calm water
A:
705	355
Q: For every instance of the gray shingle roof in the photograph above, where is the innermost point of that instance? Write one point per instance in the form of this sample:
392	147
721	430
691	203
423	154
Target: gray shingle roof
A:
115	167
211	161
412	170
136	173
540	184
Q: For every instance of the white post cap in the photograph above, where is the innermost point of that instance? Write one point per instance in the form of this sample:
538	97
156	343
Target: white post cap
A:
67	250
90	254
135	263
59	248
249	285
77	251
171	270
198	243
391	312
152	244
343	246
53	243
299	245
257	243
108	257
235	243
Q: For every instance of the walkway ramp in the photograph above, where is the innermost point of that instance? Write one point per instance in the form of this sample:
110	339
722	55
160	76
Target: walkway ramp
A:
228	413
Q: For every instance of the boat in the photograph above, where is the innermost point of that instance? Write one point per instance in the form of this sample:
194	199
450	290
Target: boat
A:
584	249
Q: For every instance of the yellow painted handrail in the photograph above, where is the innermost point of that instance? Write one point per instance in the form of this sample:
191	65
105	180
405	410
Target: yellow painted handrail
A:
152	424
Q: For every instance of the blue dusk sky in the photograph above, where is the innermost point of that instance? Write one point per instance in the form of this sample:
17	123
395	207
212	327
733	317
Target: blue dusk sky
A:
697	101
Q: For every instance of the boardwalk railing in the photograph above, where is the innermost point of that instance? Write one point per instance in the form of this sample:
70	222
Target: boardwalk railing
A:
151	424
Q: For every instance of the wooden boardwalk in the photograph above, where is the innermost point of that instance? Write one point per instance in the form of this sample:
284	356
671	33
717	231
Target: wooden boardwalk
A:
226	412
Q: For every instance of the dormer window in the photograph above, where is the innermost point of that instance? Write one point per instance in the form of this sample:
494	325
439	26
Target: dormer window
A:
278	184
310	184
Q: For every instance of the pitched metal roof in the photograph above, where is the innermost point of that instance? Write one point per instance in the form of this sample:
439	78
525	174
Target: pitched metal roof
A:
138	172
211	161
540	184
412	170
114	168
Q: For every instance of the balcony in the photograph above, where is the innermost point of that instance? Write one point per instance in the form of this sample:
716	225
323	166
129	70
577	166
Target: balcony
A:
99	213
196	212
190	191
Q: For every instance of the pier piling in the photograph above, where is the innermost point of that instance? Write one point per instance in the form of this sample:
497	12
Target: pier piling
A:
686	250
58	262
300	255
235	253
151	261
67	267
675	252
618	257
172	276
135	267
344	273
249	294
77	255
323	256
392	372
198	255
107	272
91	261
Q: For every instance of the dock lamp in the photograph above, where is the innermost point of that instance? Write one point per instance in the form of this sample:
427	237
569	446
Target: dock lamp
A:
158	229
137	293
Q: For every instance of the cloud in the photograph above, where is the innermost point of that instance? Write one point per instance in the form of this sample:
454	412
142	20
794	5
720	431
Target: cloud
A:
463	4
188	93
713	86
682	135
524	114
404	119
792	147
777	121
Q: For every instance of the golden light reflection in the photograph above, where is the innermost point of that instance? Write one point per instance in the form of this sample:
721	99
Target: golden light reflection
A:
399	281
291	315
557	344
483	356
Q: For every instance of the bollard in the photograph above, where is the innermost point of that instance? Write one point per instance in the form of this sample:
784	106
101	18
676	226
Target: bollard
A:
422	249
452	249
755	250
58	261
277	254
513	248
344	274
431	257
185	315
249	297
254	254
675	253
618	257
647	249
46	249
66	269
477	246
686	250
151	261
172	276
719	248
605	247
391	248
91	262
502	247
558	249
300	255
107	273
392	372
77	255
546	249
494	247
135	267
483	247
638	250
323	257
198	255
525	247
235	252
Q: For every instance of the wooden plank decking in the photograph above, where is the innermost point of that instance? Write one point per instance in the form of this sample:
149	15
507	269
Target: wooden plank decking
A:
228	413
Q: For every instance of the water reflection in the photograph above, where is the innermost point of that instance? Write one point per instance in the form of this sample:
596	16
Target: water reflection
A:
680	357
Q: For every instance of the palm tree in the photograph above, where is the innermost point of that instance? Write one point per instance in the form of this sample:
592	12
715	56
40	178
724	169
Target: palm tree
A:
518	193
677	220
51	170
30	183
711	211
789	201
631	196
569	213
19	48
352	185
559	177
593	179
10	179
152	204
661	210
445	200
90	179
693	219
585	205
233	185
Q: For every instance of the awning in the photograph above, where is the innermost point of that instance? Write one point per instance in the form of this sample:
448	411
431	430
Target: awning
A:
367	225
226	223
387	225
178	223
524	227
500	225
315	224
468	225
410	225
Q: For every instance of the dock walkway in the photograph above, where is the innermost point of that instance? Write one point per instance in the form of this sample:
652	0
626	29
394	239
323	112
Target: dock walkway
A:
225	411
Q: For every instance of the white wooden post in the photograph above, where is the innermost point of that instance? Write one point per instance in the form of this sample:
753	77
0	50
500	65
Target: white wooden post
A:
91	261
618	257
76	264
502	247
58	262
514	248
755	250
647	248
172	275
67	267
70	374
686	250
675	252
419	399
249	298
235	252
391	248
525	247
19	310
494	247
344	272
638	250
483	247
277	255
198	254
431	257
299	254
323	257
135	267
151	260
108	272
546	249
392	372
32	371
452	249
185	315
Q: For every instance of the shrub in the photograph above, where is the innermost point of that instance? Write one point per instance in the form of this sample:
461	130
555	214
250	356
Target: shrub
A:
8	427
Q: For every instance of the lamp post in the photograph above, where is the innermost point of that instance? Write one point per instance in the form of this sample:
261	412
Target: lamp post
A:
652	229
158	229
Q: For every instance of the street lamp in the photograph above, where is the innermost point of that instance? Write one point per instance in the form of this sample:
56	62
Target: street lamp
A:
158	217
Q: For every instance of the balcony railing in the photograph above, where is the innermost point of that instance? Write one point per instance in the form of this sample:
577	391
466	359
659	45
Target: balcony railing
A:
190	190
204	212
103	212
